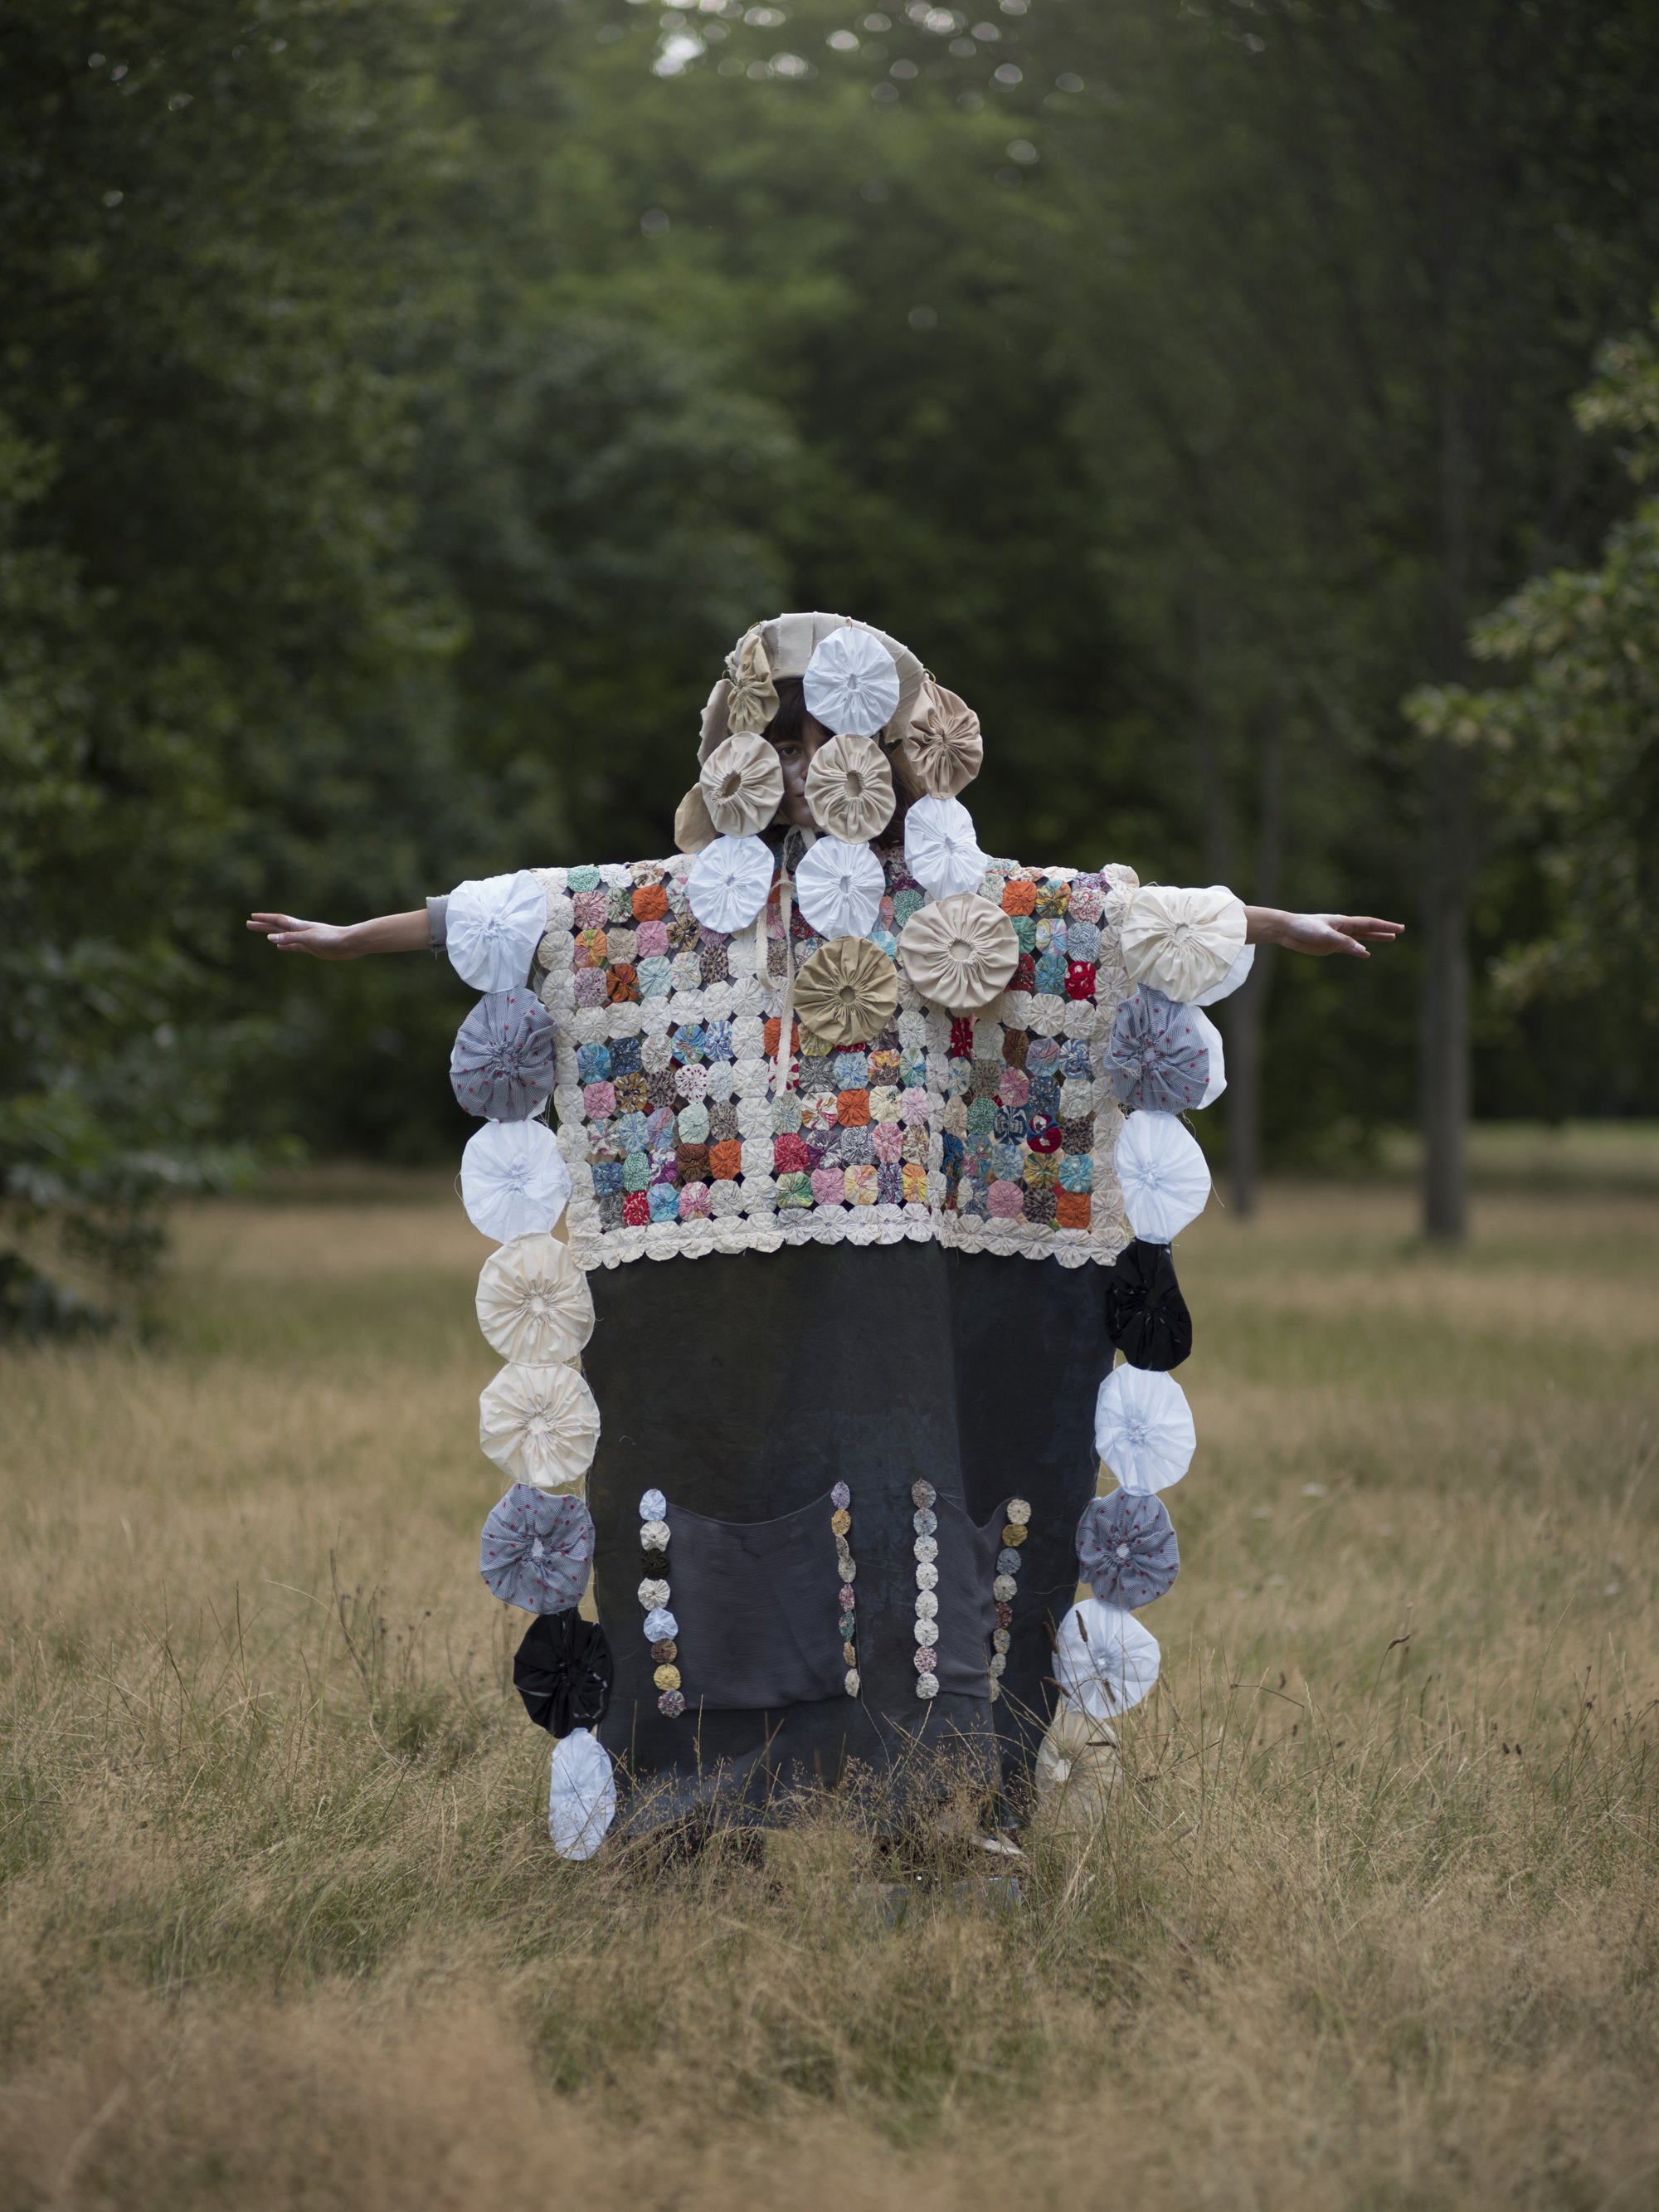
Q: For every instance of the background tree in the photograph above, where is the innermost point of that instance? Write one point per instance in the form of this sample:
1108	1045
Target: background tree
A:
201	465
1571	745
402	406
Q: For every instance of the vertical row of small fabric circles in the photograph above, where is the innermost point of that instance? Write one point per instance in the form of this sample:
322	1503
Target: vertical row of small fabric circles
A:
924	1522
661	1629
840	1523
1018	1515
1184	949
538	1420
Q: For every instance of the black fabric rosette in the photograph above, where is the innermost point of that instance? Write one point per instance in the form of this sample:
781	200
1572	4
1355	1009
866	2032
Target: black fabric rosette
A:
1146	1317
562	1671
1127	1549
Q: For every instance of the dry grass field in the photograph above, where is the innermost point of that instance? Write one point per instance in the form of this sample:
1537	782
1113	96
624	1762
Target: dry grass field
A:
1372	1923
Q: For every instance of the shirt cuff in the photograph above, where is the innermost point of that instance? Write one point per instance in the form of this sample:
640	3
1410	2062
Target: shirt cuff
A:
437	922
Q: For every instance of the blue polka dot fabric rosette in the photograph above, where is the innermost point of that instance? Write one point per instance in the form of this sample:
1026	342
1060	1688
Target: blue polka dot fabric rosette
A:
1127	1549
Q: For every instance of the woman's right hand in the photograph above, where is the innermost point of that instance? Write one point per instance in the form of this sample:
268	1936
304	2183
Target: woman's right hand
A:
323	941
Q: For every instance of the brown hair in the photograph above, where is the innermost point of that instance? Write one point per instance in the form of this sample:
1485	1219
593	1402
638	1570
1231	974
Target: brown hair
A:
790	721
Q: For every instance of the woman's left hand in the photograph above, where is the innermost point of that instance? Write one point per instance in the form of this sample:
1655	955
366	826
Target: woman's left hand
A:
1318	933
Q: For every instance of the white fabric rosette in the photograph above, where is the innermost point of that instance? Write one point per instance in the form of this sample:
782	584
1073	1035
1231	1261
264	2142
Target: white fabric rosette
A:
852	682
1143	1428
742	785
941	848
514	1179
1212	1036
494	924
1163	1175
581	1797
728	883
839	888
541	1423
1231	981
1184	942
1104	1660
533	1302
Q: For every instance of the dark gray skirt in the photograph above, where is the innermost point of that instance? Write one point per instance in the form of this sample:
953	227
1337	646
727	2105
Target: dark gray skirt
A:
744	1387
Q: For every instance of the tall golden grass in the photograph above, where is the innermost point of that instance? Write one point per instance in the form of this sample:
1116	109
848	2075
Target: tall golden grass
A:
1371	1921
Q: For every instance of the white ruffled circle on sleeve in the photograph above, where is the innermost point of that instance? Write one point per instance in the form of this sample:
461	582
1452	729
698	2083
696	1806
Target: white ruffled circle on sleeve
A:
852	682
1230	982
941	848
1184	942
839	887
581	1798
494	926
514	1179
728	883
1163	1175
1212	1036
1104	1660
1143	1428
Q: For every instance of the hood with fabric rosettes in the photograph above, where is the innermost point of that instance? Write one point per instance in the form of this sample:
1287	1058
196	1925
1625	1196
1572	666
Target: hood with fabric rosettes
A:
787	646
876	700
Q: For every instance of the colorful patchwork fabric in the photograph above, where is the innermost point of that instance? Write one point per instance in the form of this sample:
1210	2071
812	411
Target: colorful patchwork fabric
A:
996	1133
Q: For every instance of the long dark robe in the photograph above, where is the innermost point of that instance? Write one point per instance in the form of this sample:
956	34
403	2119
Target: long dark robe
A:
744	1386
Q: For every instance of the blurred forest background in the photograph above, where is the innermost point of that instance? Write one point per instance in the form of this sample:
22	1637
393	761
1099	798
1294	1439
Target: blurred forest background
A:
404	402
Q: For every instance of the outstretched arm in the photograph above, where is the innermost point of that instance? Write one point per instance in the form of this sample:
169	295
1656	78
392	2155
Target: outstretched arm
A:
328	941
1318	933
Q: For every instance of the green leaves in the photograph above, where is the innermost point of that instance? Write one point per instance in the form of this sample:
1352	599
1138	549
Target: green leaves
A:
1570	740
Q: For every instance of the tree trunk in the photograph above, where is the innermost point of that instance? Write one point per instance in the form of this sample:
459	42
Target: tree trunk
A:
1449	811
1443	1038
1247	1013
1246	1010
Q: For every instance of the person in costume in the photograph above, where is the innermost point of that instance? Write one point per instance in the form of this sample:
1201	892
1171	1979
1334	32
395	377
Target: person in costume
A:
904	1121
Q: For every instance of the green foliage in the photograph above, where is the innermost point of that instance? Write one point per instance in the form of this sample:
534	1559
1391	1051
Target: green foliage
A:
199	466
403	405
1569	743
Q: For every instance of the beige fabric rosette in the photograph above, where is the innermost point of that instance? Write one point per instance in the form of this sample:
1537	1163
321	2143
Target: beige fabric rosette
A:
540	1423
849	788
959	952
692	826
846	991
943	743
752	698
1182	942
1076	1766
533	1302
742	785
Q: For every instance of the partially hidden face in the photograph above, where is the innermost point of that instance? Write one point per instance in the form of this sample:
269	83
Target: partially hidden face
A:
796	753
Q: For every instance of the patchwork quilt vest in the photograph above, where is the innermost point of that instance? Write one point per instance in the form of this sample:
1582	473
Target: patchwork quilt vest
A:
686	1131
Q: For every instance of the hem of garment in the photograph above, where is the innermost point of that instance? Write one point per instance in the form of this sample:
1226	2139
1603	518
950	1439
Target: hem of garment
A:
668	1240
750	1791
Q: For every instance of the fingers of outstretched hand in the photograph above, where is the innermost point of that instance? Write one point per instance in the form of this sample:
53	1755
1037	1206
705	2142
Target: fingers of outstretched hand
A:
288	933
1346	933
1366	926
